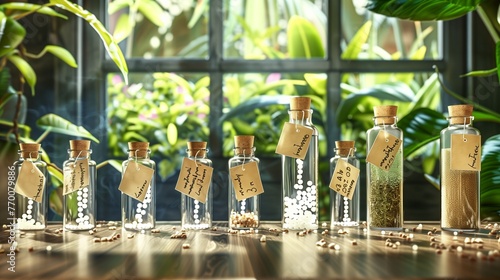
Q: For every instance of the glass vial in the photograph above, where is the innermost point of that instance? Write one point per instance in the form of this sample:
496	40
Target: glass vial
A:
385	187
196	214
30	214
459	188
79	206
137	215
300	177
243	214
344	211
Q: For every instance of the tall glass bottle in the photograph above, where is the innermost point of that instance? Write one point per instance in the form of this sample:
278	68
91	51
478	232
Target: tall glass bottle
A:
79	205
344	211
137	215
194	213
243	214
30	214
459	188
385	187
300	177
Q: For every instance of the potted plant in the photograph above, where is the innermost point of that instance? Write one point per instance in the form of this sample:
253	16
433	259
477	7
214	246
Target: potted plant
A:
13	55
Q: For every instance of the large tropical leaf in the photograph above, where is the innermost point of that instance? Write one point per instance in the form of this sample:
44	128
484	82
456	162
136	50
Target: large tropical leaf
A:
420	127
490	179
110	44
255	103
27	7
57	124
388	91
304	40
423	9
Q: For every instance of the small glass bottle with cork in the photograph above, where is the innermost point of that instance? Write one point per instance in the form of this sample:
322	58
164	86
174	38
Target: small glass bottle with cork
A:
243	198
385	170
79	187
344	210
31	188
460	169
299	148
196	214
138	188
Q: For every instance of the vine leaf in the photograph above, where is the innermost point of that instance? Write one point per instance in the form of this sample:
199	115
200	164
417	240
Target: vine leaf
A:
57	124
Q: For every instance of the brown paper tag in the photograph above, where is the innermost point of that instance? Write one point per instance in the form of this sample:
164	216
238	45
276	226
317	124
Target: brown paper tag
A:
344	178
294	140
465	152
246	180
384	150
194	179
30	181
136	180
76	176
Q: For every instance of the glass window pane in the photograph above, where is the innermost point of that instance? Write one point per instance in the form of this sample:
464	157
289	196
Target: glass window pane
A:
387	38
259	29
160	29
164	109
257	104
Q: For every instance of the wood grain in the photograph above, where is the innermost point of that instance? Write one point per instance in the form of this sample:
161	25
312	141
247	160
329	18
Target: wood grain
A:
219	254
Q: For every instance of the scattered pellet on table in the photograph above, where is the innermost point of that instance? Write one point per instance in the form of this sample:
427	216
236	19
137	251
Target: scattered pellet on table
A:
186	246
467	240
130	236
263	238
178	235
438	251
91	232
155	230
324	224
354	242
48	248
382	232
420	227
214	228
331	245
460	249
112	228
414	247
30	249
97	240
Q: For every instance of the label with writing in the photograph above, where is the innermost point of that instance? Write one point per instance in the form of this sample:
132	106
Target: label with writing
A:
294	140
135	180
344	178
465	152
30	182
384	150
76	176
246	180
194	179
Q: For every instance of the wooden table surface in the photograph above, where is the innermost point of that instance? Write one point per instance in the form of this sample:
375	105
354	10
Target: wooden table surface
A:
219	254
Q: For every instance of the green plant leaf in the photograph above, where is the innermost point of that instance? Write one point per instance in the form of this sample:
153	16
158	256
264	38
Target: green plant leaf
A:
26	71
55	201
198	12
172	134
356	44
117	5
490	178
422	10
481	73
60	53
110	44
152	11
388	91
304	40
420	127
317	82
27	7
255	103
11	34
57	124
123	28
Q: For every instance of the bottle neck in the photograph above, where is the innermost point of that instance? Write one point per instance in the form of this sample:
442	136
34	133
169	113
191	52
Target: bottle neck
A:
464	121
345	152
302	117
79	154
385	121
244	152
197	153
139	154
31	156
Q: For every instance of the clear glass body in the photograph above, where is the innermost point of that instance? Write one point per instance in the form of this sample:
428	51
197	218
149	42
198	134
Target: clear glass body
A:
243	214
80	206
459	188
31	215
300	181
138	215
344	211
196	214
385	188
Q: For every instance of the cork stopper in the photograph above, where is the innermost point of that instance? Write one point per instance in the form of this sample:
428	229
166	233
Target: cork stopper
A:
385	114
302	105
460	114
243	144
343	148
29	150
197	148
79	148
138	149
